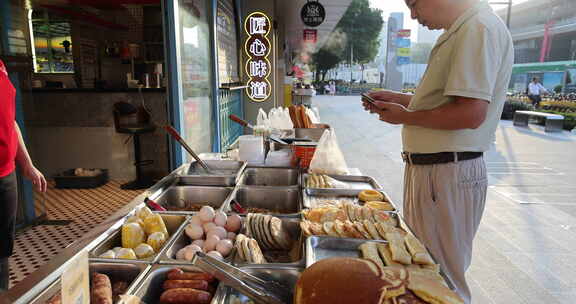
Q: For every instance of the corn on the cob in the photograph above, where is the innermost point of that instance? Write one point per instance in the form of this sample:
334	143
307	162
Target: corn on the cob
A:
155	223
137	220
156	240
143	251
126	253
143	213
132	235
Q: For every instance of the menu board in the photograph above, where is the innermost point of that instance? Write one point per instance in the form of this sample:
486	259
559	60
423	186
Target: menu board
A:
227	42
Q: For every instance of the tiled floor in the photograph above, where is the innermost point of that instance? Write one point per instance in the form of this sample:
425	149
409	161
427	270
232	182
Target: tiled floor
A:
525	248
85	208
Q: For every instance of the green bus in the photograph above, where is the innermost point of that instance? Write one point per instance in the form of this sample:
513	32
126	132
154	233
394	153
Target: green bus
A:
558	76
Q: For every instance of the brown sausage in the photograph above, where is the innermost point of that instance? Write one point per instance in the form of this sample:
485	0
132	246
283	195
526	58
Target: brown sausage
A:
101	289
178	274
56	299
185	296
196	284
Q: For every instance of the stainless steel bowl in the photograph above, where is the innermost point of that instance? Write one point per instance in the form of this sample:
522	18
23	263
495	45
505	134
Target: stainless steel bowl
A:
277	177
177	197
275	199
130	273
150	288
285	275
174	222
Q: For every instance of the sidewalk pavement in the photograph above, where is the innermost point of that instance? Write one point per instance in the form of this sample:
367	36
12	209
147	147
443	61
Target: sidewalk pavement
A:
525	249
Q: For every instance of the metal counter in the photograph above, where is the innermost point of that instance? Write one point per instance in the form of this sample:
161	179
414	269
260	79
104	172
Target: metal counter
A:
33	285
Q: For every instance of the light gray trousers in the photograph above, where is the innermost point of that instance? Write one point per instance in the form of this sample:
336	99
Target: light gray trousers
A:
443	204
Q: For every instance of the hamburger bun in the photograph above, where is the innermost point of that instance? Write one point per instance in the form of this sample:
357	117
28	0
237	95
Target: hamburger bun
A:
341	280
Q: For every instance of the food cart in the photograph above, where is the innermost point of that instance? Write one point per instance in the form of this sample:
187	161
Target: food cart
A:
286	212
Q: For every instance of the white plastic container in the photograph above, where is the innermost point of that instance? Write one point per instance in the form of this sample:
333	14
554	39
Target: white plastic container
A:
251	149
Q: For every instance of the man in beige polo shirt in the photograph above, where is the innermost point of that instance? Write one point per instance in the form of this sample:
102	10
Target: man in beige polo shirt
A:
448	123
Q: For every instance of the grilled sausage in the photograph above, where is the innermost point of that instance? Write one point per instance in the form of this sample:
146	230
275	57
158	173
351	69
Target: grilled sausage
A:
101	289
185	296
196	284
178	274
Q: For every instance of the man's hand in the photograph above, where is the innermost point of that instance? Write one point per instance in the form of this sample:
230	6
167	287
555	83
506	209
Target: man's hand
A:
391	96
372	107
393	113
35	176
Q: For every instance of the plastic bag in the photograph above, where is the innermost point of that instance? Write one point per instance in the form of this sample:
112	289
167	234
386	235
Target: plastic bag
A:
279	118
262	119
312	114
328	158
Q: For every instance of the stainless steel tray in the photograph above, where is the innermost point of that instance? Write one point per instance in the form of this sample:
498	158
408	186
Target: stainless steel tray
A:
276	177
150	289
178	196
130	273
356	184
295	256
278	200
310	201
285	275
181	240
323	247
174	223
224	173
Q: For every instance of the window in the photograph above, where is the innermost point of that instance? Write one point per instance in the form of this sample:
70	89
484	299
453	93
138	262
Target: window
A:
52	43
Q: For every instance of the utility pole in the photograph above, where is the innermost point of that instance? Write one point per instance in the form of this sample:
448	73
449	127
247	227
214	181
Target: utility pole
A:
509	10
351	61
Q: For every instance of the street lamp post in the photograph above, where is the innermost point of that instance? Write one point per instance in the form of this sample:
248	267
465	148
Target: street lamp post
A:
509	11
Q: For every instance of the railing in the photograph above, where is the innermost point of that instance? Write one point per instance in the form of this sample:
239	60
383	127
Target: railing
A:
230	102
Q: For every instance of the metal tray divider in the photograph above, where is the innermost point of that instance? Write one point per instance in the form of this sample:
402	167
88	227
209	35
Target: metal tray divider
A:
172	239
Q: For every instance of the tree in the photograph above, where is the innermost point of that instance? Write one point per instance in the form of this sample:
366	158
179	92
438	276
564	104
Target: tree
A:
359	29
331	53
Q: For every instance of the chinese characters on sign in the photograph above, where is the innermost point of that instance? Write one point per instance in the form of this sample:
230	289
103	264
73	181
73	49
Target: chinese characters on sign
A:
257	48
310	36
313	13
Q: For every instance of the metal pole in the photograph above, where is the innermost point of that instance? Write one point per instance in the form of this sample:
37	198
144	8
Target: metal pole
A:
509	13
171	14
351	61
212	19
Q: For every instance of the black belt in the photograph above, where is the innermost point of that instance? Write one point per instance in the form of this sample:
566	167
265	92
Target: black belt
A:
438	158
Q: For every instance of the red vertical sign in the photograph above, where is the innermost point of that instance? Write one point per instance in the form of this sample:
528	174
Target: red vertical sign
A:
310	36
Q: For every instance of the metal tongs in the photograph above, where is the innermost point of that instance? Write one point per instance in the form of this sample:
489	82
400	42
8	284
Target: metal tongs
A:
179	139
261	291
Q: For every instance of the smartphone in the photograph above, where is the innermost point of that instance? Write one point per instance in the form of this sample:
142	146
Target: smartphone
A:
368	99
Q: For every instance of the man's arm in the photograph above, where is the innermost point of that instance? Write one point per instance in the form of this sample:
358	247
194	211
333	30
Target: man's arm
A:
462	113
23	159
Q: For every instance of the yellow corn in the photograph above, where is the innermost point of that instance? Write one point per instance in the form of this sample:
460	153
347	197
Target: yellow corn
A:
143	213
126	253
137	220
132	235
155	223
156	240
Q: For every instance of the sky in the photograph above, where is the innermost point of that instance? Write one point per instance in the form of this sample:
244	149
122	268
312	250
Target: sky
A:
391	6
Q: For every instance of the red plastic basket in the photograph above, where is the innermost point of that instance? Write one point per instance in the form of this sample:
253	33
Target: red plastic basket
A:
302	155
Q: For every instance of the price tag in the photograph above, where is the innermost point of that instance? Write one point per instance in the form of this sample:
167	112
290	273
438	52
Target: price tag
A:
75	280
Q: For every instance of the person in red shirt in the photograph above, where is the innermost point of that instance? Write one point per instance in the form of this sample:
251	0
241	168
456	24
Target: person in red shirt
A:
12	151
